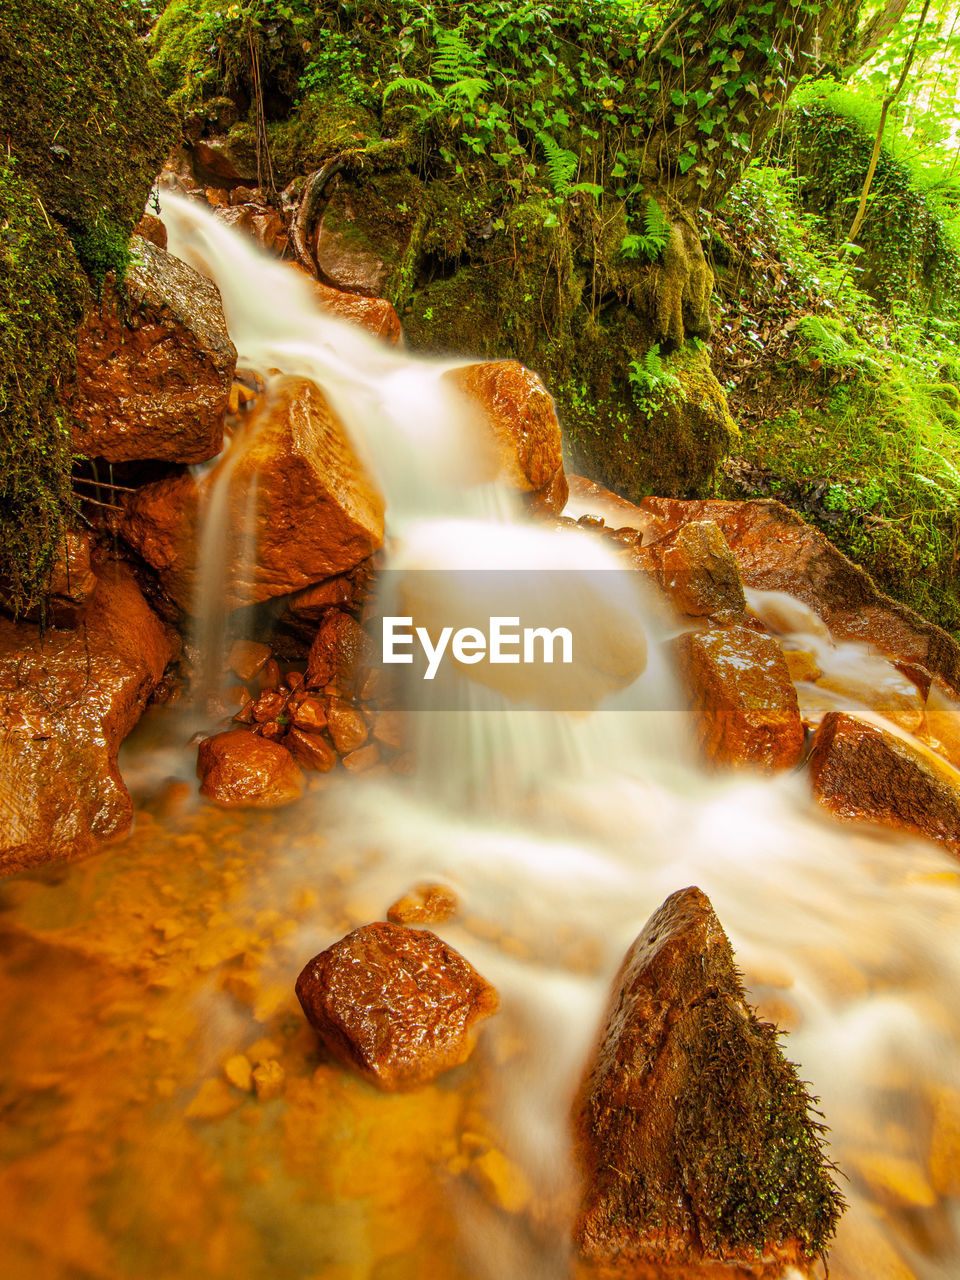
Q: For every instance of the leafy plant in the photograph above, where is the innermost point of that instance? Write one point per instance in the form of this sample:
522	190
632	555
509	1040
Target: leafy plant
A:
653	241
651	381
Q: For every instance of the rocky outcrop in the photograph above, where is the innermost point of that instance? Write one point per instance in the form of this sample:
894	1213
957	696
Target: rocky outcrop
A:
518	413
777	551
745	704
395	1004
240	770
155	365
861	771
296	490
376	315
699	1152
67	701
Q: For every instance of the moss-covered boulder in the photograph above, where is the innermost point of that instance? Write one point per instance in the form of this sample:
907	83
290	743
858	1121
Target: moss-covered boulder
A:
85	131
700	1152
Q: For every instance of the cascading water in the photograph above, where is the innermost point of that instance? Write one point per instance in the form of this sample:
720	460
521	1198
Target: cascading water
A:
848	938
561	832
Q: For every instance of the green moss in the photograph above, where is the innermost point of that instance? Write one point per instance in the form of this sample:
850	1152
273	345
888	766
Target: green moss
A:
85	133
42	293
184	46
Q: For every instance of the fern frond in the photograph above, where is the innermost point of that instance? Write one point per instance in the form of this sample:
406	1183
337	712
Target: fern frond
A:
454	57
411	85
562	164
655	224
469	89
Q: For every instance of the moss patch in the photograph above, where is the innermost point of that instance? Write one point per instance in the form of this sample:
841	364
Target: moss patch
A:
42	294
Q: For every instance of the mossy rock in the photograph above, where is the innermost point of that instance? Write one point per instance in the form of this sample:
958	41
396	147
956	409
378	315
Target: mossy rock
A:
82	114
43	291
86	131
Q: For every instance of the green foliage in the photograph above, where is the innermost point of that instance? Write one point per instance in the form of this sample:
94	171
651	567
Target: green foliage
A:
335	64
652	242
652	382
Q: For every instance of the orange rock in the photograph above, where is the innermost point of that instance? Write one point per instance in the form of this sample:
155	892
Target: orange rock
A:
239	769
522	422
425	904
72	583
361	760
311	750
156	388
801	665
698	571
247	659
941	728
862	772
743	698
347	727
376	315
316	512
309	715
67	701
395	1004
390	729
340	652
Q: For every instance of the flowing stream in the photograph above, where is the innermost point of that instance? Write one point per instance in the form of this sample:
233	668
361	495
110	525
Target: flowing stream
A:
560	834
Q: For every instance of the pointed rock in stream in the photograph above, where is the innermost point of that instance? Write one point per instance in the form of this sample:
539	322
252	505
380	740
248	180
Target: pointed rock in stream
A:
700	1154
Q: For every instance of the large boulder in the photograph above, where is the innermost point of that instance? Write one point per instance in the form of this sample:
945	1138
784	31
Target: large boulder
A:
67	701
699	1152
695	568
518	415
155	365
295	476
744	701
395	1004
777	551
862	771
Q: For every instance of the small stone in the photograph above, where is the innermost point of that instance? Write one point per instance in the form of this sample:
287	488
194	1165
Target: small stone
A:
389	728
268	706
425	904
341	651
212	1100
268	1080
310	715
347	727
398	1005
239	1072
238	769
363	759
698	571
311	751
505	1184
247	659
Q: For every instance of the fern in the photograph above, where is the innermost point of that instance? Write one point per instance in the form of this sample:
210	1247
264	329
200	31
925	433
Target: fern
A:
562	165
656	230
454	58
410	84
469	89
653	384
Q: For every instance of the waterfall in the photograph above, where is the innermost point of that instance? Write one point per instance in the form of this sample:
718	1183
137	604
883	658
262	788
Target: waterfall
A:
562	831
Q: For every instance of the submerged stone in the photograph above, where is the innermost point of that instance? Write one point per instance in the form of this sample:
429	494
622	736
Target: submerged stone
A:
698	1147
862	772
395	1004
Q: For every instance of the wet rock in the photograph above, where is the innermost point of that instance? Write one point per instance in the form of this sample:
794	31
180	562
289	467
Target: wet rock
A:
151	228
744	702
862	772
342	262
519	415
71	587
395	1004
698	1148
239	769
309	714
347	727
67	701
228	160
698	571
362	759
310	750
390	729
777	551
340	653
154	366
425	904
315	512
376	315
247	658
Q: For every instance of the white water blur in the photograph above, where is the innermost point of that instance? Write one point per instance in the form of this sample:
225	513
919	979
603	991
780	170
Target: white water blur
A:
849	937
